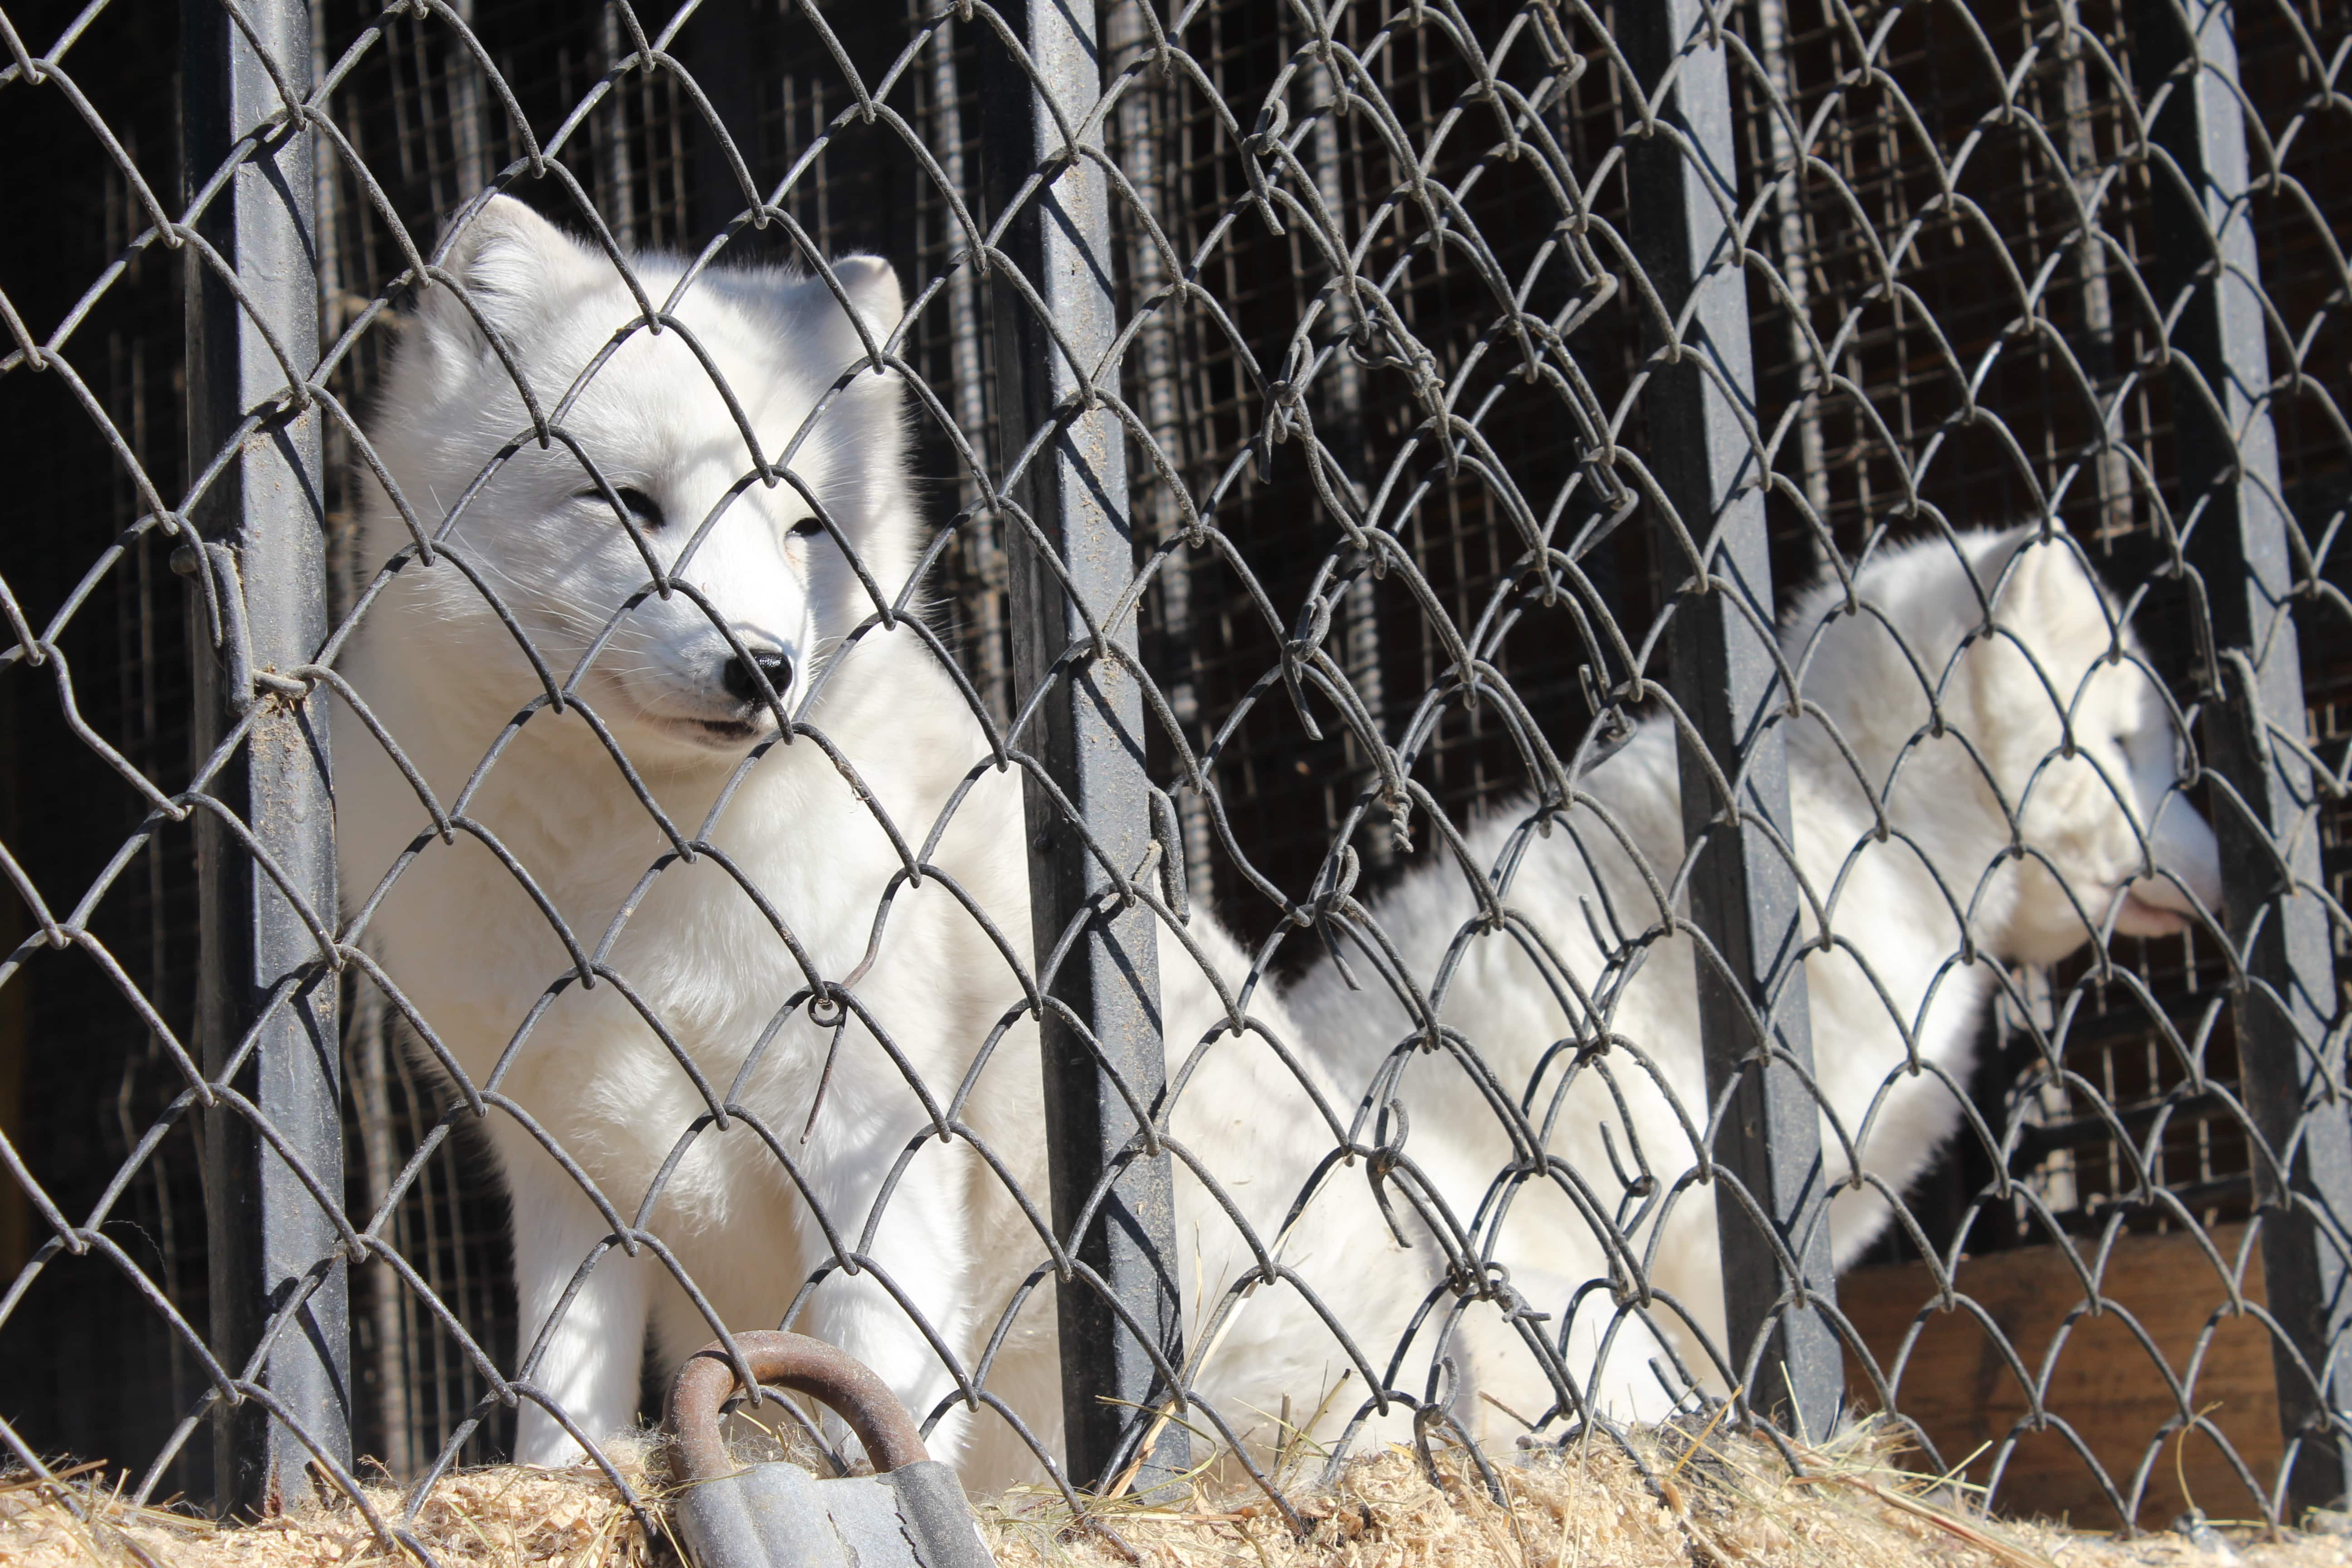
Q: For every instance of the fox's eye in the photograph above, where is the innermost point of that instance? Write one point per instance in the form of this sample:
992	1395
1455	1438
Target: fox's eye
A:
636	502
807	527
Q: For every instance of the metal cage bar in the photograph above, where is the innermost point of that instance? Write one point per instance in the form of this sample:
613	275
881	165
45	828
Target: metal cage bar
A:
1724	674
1078	671
2247	556
267	1002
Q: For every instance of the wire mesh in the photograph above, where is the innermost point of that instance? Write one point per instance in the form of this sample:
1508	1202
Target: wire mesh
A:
653	1029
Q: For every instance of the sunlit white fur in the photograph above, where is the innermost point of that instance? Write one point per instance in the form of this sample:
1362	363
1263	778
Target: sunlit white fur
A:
690	946
2107	821
686	942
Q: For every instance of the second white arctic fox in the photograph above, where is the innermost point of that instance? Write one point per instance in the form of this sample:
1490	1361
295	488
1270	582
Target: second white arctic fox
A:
1953	830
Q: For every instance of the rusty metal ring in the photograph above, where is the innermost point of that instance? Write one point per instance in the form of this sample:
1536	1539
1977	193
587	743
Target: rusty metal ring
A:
795	1362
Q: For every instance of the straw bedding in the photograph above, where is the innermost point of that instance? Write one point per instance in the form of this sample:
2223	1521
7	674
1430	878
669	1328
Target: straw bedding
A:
1720	1501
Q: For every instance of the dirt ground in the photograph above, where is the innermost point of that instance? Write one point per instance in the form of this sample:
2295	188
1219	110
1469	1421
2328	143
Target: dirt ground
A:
1721	1503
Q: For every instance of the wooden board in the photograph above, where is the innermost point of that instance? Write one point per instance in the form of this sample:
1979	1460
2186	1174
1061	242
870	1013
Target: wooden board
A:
2104	1382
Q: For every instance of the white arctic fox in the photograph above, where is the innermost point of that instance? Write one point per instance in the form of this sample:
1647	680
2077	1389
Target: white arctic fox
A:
2103	841
568	951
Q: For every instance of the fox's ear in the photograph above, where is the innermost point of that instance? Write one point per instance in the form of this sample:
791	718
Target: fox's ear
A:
2049	598
1990	563
511	264
872	286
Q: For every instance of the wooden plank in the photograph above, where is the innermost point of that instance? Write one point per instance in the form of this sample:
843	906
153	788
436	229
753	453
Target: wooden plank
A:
1948	1372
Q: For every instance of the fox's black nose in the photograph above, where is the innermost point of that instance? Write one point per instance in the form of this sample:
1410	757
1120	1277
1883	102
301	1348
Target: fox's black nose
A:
774	663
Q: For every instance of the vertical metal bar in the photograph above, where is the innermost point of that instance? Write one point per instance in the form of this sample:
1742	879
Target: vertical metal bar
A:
2096	344
1795	258
608	132
264	527
981	586
2241	541
944	134
342	553
1090	738
1744	896
1141	157
469	154
1339	420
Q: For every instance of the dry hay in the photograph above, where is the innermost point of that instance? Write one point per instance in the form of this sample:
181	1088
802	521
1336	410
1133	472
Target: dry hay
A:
1728	1502
1719	1502
502	1517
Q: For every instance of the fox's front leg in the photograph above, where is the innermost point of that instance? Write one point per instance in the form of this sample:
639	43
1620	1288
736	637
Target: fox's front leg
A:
588	1363
924	1246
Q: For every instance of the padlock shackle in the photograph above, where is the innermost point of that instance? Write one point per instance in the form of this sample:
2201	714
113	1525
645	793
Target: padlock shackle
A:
832	1376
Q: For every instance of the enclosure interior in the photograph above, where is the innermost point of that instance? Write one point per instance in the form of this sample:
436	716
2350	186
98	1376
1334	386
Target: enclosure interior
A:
1925	230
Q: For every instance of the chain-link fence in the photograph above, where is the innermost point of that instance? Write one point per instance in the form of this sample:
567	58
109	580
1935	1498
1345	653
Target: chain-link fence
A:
1230	731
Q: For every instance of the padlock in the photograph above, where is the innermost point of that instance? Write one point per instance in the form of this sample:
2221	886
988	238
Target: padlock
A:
911	1514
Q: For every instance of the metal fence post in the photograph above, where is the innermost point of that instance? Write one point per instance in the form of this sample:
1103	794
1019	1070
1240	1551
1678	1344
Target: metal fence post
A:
1743	890
2241	542
1089	735
279	1315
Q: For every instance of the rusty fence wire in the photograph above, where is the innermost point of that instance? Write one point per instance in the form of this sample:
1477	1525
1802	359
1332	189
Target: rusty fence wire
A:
1232	730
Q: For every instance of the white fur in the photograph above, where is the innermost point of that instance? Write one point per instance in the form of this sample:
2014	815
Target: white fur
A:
470	947
2108	821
